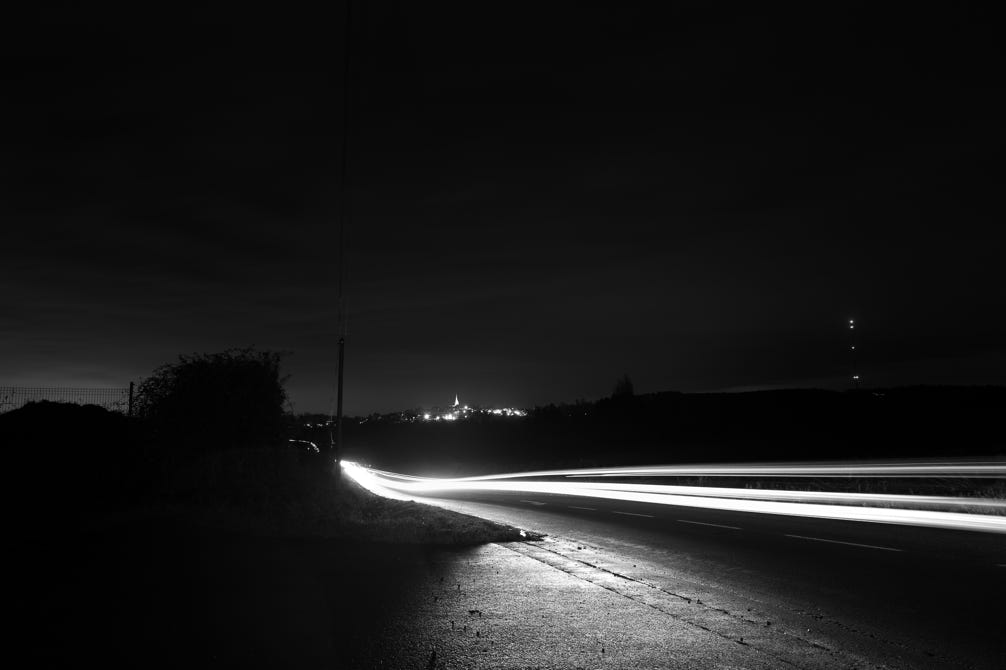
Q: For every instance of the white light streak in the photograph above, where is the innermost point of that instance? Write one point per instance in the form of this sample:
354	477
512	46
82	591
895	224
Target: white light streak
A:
372	483
970	469
817	504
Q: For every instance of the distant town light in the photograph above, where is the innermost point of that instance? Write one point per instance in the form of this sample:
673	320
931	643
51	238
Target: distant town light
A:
458	412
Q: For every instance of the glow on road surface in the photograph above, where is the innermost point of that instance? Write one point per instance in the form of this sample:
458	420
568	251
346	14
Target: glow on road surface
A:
818	504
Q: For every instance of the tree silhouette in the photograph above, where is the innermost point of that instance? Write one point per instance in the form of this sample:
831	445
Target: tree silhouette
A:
233	399
623	388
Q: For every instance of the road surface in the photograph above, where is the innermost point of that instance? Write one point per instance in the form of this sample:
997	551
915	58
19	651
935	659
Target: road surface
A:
899	596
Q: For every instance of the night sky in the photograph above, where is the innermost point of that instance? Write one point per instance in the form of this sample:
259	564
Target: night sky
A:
542	198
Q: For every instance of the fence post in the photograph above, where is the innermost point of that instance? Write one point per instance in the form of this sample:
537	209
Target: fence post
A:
130	399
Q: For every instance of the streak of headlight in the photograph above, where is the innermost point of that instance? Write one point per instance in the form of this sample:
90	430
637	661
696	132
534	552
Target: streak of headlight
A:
371	482
800	496
697	497
750	494
969	469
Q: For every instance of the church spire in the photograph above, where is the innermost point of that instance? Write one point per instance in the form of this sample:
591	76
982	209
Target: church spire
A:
456	403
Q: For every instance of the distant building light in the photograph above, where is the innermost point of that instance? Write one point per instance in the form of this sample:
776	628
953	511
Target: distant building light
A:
855	376
426	417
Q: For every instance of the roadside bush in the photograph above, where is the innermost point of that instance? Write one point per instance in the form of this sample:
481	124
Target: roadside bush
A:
285	492
229	400
69	461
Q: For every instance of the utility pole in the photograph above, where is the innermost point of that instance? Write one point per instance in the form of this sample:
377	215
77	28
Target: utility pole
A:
337	446
335	442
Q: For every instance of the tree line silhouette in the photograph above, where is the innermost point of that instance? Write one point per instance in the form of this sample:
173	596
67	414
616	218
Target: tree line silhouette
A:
670	427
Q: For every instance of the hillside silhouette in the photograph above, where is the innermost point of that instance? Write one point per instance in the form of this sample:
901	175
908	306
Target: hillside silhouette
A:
671	427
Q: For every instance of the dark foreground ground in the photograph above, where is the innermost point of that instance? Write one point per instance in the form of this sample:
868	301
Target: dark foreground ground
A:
161	595
174	596
627	585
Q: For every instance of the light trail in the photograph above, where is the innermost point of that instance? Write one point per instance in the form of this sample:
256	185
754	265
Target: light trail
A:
951	469
371	482
836	497
815	504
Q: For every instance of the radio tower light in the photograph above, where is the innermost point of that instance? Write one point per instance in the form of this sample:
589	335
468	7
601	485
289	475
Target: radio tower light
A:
852	354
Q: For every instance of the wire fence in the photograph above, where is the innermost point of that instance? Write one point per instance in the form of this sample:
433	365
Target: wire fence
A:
119	399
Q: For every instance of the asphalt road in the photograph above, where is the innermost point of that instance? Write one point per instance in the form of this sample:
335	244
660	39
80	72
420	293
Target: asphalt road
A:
899	596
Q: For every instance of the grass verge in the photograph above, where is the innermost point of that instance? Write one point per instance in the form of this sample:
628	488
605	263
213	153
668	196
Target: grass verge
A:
282	493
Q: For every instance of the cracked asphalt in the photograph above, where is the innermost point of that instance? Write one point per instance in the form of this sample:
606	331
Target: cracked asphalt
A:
804	592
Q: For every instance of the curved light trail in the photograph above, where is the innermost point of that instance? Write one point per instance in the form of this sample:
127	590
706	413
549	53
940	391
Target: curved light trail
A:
949	469
818	504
